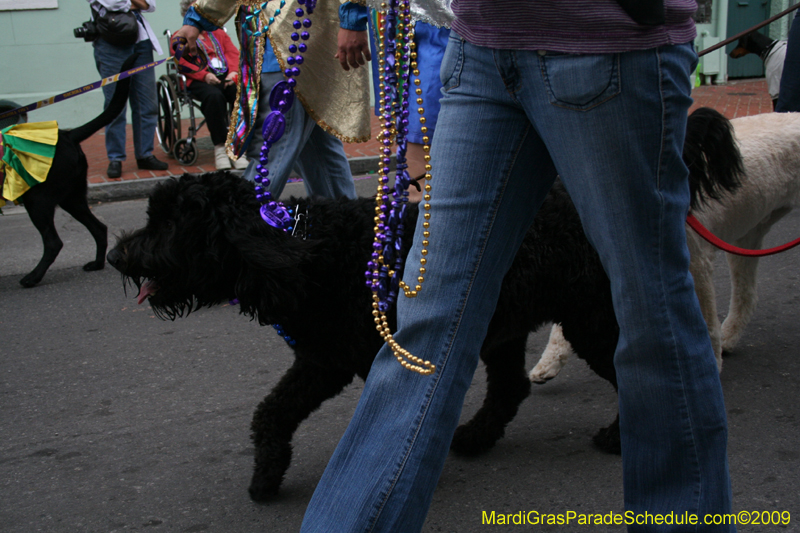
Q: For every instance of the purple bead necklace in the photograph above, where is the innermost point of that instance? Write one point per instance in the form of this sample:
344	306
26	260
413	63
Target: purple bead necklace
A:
396	58
281	98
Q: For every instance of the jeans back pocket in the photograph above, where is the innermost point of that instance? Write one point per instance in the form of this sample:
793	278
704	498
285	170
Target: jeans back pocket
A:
452	61
580	82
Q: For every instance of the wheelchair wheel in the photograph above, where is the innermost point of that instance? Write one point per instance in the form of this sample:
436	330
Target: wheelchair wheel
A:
168	127
186	152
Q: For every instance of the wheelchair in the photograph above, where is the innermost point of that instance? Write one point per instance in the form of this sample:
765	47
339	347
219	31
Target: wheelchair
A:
172	95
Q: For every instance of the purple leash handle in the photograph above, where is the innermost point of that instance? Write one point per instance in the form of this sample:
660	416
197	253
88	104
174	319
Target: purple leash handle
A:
178	45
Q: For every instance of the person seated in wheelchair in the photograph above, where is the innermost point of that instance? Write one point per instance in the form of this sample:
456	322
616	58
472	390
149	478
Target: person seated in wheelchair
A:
214	87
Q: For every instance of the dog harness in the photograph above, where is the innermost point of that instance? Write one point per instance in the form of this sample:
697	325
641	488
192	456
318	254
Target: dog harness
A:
26	155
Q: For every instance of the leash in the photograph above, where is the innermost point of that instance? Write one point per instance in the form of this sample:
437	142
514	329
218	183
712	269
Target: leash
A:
81	90
722	245
199	62
758	26
691	220
196	62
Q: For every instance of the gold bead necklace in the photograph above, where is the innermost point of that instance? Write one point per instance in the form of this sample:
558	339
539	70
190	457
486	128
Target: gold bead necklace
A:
388	215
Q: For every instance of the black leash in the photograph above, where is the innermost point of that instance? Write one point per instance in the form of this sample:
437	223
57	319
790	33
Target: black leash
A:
745	32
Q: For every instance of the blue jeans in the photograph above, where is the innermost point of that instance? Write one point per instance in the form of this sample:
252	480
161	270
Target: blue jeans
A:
612	126
317	156
143	99
789	95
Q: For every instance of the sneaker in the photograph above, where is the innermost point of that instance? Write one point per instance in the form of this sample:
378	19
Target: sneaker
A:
151	163
114	169
221	158
241	163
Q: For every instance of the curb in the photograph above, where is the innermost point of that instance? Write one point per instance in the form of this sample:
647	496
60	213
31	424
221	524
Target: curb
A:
123	190
141	188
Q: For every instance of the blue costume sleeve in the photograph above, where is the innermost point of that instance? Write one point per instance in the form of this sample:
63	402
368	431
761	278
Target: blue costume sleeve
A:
353	16
193	18
270	62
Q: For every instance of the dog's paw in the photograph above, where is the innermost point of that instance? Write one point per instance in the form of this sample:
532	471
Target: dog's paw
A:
607	439
469	440
554	357
545	370
272	460
31	280
94	265
262	489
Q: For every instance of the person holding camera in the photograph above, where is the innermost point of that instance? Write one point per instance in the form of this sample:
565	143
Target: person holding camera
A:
114	42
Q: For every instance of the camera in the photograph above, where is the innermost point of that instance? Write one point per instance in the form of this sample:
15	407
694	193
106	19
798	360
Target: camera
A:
87	31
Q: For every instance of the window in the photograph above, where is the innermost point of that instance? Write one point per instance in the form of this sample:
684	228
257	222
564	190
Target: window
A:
703	13
19	5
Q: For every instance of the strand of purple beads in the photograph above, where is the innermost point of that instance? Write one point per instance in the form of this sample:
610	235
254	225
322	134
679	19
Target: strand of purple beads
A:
280	100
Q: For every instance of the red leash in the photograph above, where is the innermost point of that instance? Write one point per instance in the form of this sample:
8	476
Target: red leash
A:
722	245
693	222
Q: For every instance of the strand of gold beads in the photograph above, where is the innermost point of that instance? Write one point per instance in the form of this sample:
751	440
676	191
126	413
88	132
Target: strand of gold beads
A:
403	356
426	147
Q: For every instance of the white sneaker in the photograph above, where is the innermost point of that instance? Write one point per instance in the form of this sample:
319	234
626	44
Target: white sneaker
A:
241	163
221	157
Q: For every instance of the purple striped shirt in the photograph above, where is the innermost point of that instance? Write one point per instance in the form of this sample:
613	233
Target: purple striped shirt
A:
575	26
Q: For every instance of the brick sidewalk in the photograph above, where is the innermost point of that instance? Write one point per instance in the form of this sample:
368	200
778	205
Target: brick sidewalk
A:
736	99
739	98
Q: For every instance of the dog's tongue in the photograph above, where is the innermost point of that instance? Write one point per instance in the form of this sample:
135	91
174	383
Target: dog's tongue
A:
148	288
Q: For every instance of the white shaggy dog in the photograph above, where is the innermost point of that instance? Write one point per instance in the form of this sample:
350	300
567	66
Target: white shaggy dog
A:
770	188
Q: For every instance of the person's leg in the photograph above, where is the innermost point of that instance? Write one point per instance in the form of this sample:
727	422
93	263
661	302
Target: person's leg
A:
789	95
109	59
214	106
430	44
324	167
614	126
485	194
284	153
144	103
230	97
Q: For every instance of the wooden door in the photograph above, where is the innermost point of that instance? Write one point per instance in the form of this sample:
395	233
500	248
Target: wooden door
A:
744	14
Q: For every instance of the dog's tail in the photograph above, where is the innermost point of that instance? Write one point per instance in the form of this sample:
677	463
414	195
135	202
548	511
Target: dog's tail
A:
112	111
710	152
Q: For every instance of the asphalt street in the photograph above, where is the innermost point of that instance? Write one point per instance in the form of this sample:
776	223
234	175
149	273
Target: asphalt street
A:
114	420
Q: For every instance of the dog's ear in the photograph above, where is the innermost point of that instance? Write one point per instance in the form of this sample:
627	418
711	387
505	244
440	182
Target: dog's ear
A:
193	199
712	155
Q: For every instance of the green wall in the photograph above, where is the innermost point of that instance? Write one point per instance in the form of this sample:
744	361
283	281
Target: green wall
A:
40	57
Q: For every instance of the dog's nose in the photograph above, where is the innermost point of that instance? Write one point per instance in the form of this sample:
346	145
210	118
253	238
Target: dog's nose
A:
115	258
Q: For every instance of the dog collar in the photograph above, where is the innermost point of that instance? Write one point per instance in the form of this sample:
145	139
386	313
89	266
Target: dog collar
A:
765	53
300	226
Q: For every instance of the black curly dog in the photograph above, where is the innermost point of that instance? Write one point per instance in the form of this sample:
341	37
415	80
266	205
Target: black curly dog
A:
66	187
205	243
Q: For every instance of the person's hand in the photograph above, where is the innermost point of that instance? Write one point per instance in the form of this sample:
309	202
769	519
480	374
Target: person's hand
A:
190	33
231	78
353	48
211	79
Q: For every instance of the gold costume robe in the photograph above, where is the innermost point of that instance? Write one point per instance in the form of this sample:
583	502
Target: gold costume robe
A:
336	99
